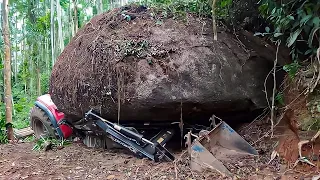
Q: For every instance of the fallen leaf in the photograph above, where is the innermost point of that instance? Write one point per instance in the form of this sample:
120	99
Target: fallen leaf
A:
274	154
111	177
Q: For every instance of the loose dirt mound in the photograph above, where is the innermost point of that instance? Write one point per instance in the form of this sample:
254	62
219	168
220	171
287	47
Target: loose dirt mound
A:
297	124
138	64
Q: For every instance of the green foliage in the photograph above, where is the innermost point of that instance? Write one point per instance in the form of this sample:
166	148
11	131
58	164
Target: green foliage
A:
133	48
3	135
43	23
22	105
311	121
45	79
43	143
295	22
292	69
29	23
280	98
179	7
223	7
64	4
29	139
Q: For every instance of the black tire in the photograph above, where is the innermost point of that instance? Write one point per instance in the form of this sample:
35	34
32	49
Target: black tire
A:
41	124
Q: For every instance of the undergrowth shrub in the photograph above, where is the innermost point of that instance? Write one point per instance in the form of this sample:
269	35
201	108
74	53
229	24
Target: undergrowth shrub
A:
3	135
21	108
296	23
179	8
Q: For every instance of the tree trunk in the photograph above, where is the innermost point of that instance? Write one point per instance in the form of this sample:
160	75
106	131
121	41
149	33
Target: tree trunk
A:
44	47
16	55
1	62
31	70
7	69
40	57
46	51
60	35
52	32
71	20
23	53
99	6
75	11
38	81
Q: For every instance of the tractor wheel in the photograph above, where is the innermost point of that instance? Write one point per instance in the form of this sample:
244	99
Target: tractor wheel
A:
41	124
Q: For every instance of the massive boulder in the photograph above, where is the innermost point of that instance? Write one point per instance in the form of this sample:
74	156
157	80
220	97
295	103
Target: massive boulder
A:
134	63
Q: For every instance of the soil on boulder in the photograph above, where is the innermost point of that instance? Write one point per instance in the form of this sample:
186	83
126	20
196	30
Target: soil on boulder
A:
135	63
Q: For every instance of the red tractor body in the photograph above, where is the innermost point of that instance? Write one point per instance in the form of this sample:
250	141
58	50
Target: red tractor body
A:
56	117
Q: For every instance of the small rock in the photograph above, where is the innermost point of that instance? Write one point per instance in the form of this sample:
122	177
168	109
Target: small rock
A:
47	146
78	167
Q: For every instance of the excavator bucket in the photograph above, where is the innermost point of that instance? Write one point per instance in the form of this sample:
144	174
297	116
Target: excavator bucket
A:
221	144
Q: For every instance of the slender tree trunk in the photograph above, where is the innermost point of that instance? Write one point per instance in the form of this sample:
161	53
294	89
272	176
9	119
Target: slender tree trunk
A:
7	69
71	19
16	55
31	70
38	81
46	52
23	53
52	32
39	58
99	6
56	51
214	25
26	48
60	35
2	62
75	13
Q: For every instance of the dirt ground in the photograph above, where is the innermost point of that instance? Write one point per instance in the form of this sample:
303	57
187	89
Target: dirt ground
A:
75	161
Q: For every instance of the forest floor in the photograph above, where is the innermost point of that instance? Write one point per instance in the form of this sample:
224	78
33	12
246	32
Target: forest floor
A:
75	161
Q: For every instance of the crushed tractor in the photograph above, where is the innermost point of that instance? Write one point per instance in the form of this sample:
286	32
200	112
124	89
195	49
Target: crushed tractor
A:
146	140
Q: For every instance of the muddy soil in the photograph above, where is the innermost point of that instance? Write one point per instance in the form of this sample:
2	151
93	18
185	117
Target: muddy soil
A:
19	161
